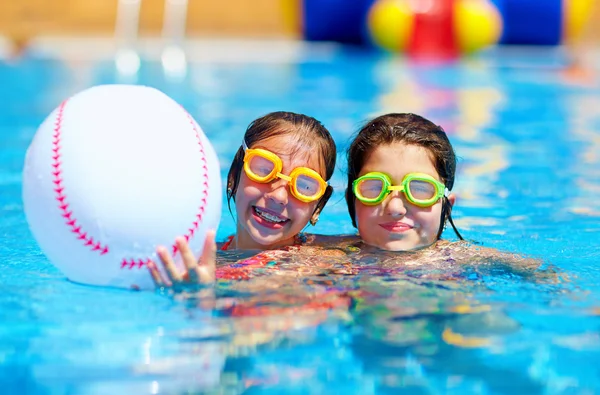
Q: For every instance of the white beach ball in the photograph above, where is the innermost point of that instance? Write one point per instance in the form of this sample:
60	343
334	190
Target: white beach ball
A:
114	172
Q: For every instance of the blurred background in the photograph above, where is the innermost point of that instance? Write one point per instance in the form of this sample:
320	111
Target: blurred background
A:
389	24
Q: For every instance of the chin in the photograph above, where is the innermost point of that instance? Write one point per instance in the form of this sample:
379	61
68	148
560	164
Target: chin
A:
394	246
266	241
398	245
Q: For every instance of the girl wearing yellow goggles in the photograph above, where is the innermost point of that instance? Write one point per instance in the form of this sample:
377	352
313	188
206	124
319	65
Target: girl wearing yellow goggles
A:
277	181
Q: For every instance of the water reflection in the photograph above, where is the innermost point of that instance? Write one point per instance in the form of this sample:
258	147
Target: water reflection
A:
393	324
586	166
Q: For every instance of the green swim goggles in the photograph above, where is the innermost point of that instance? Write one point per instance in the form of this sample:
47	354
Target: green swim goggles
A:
420	189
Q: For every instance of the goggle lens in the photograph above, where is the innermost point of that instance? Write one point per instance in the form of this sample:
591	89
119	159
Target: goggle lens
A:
307	185
261	167
371	188
422	190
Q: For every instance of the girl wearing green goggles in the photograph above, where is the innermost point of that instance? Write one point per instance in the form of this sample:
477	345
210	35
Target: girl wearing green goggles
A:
400	172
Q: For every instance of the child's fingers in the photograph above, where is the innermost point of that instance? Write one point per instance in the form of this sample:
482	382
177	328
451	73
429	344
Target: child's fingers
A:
206	269
189	260
202	272
156	275
169	265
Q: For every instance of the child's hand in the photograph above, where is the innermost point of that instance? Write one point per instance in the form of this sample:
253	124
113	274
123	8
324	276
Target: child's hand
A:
197	271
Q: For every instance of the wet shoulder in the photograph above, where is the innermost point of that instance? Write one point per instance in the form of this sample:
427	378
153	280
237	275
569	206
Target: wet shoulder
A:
329	245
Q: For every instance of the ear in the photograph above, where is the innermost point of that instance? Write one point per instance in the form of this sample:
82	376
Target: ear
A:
322	202
230	188
451	199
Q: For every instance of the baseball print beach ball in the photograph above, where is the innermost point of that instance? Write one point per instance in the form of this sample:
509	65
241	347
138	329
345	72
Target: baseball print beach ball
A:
113	172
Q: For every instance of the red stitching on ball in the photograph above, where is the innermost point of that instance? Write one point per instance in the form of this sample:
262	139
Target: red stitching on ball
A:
60	193
204	197
132	263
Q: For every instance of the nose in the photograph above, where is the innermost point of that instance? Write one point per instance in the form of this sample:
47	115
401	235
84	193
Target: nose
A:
279	192
395	205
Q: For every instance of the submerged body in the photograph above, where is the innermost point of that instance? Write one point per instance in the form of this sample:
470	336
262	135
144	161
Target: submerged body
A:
350	255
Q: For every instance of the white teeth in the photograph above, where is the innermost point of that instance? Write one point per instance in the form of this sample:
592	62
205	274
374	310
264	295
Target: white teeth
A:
267	216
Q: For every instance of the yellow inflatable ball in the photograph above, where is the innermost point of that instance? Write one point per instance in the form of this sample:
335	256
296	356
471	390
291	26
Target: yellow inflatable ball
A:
389	24
478	24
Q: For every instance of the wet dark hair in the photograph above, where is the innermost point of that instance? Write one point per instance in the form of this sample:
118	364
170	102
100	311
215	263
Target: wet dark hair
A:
408	129
308	131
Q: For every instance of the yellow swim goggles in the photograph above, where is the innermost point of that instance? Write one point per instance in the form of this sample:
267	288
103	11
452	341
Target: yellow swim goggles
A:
420	189
264	166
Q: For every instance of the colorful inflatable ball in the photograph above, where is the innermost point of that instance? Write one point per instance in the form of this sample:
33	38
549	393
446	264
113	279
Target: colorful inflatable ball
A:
435	29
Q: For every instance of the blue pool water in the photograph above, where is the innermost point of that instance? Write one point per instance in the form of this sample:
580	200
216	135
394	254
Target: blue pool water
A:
526	127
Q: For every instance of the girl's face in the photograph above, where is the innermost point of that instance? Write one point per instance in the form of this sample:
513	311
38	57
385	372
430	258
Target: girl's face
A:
396	224
268	215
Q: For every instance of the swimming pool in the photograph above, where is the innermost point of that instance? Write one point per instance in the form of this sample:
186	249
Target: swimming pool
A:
526	128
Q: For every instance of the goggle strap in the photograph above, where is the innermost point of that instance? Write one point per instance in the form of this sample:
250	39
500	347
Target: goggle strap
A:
244	145
447	193
447	207
454	227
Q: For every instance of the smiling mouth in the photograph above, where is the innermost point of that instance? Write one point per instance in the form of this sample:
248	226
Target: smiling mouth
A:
396	227
269	216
